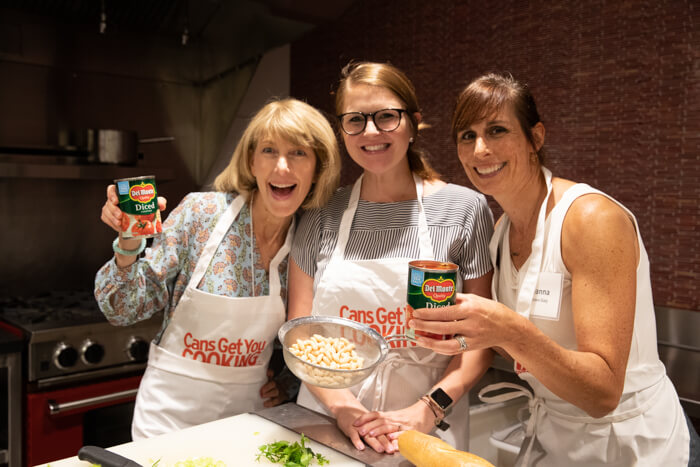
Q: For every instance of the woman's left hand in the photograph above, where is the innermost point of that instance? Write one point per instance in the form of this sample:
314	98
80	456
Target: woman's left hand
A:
483	323
271	392
392	423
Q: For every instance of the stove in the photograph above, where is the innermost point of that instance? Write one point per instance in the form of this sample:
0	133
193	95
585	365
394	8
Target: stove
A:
80	373
69	339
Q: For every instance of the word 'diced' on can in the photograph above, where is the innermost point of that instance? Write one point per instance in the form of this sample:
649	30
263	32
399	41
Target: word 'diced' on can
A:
431	284
138	200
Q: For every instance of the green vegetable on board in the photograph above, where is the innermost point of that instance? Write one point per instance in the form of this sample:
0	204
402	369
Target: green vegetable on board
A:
290	454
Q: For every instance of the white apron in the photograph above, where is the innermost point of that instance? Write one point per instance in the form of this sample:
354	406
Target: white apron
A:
374	292
558	433
212	359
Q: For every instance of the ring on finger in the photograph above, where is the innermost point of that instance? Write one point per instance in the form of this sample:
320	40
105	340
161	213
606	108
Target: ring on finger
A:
462	342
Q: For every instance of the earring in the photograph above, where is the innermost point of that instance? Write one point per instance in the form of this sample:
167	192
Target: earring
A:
410	140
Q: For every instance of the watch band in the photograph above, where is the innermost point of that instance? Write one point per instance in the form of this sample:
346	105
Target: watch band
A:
438	412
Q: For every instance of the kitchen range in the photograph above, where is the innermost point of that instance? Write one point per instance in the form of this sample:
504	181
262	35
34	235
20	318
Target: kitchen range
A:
80	374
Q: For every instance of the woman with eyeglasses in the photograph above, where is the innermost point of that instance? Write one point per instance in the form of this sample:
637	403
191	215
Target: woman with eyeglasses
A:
350	259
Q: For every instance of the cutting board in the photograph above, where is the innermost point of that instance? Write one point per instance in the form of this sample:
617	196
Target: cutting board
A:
233	440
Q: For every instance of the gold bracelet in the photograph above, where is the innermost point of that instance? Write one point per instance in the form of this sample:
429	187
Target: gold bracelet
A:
425	400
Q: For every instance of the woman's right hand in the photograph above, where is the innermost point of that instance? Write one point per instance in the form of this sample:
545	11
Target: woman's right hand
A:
112	215
484	323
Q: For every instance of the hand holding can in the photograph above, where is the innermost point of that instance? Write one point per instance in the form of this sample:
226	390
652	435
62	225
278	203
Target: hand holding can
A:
138	201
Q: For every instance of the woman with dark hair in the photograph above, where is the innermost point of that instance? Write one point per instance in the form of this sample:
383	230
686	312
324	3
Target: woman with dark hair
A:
572	302
219	271
350	259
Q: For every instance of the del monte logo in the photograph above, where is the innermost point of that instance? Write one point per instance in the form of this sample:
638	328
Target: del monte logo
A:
142	193
438	290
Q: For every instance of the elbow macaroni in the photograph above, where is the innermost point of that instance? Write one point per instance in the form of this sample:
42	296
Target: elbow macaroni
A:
335	353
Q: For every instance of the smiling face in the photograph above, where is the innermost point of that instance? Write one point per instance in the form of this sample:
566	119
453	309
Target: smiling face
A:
284	173
496	154
377	152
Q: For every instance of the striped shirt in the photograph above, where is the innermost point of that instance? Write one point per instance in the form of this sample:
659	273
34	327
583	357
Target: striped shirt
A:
459	220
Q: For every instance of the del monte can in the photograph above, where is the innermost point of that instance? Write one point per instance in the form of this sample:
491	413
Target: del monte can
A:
138	200
431	284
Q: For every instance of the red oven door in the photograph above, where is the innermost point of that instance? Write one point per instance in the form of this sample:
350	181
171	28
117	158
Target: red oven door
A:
55	418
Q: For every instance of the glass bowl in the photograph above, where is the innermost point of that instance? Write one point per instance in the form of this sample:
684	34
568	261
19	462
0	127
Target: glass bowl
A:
369	345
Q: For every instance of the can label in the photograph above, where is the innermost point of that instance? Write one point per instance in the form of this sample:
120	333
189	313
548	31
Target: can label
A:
138	200
431	284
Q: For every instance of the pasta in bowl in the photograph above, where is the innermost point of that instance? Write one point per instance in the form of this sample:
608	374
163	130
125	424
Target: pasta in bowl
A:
331	352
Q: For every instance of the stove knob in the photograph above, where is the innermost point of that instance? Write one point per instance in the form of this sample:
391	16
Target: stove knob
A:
137	350
92	352
65	356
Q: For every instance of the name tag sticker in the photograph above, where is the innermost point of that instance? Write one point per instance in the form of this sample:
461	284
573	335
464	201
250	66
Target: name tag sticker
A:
547	299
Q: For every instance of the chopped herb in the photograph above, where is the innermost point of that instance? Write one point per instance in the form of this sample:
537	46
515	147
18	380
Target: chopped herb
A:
290	454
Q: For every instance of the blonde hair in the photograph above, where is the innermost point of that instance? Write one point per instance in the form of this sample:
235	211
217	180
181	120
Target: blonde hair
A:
298	123
389	77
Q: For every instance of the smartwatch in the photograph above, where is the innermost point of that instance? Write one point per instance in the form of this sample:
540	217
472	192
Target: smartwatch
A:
441	399
444	402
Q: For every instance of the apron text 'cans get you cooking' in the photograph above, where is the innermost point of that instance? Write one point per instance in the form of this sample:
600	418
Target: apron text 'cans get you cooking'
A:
138	200
431	284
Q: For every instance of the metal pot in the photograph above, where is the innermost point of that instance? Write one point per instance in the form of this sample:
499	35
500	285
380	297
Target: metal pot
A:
117	146
113	146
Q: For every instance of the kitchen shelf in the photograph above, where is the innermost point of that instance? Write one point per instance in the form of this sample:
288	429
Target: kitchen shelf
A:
80	171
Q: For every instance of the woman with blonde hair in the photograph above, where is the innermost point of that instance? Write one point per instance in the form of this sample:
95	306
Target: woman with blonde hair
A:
219	272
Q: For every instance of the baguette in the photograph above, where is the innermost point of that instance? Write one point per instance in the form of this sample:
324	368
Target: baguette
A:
429	451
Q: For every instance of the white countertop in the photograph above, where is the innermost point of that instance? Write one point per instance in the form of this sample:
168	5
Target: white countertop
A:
233	440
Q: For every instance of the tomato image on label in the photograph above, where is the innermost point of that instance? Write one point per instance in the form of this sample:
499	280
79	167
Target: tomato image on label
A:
438	290
142	228
126	222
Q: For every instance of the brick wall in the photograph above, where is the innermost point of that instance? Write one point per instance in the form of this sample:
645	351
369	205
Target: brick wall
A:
617	85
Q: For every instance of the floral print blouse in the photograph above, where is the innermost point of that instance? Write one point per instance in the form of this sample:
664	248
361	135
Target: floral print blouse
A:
156	281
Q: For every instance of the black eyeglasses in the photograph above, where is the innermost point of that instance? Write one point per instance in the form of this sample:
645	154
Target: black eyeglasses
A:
354	123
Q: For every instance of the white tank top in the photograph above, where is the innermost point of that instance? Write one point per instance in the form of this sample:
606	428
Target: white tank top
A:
644	367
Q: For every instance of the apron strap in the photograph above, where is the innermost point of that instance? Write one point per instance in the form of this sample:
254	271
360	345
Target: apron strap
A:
425	244
222	226
527	290
274	274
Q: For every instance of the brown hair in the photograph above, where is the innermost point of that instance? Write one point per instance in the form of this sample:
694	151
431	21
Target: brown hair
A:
488	94
294	121
389	77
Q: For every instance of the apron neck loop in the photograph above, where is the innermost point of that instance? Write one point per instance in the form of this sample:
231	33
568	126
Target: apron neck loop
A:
218	234
425	244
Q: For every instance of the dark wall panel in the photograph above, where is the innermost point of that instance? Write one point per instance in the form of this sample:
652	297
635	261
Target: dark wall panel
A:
617	85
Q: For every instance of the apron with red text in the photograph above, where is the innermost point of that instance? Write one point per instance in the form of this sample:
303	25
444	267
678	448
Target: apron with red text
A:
647	427
212	359
374	292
